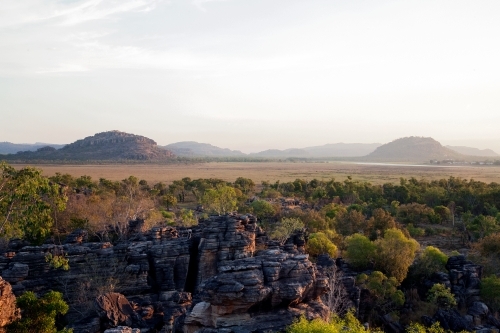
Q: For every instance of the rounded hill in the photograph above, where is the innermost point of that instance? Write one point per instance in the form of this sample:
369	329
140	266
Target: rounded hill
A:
411	149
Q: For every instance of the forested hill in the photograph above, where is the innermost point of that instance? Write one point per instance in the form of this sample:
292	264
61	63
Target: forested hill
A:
413	149
112	145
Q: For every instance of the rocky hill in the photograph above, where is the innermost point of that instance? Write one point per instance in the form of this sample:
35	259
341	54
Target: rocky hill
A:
324	151
413	149
112	145
473	151
192	149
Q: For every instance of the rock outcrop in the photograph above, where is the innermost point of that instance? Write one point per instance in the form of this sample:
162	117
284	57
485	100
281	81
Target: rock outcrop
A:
8	310
112	145
209	278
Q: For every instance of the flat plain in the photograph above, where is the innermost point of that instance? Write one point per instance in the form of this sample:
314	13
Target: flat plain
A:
273	171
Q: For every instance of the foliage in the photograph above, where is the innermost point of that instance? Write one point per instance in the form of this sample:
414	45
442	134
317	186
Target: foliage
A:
285	229
490	291
360	251
319	243
187	218
441	296
57	261
263	209
395	253
28	202
384	289
431	260
415	231
489	245
419	328
336	325
380	221
349	222
39	314
220	200
483	226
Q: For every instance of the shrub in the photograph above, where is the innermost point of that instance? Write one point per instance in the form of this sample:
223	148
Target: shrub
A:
263	209
319	243
39	314
415	231
490	291
360	251
395	253
441	296
336	325
285	229
431	260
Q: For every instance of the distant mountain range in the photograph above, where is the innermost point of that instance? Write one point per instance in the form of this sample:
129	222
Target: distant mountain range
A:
324	151
196	149
106	146
12	148
116	145
473	151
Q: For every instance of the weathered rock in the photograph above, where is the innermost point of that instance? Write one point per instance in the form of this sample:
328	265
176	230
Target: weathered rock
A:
210	277
452	320
114	309
8	310
122	329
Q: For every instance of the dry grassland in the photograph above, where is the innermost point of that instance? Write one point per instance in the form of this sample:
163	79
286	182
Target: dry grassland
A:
272	171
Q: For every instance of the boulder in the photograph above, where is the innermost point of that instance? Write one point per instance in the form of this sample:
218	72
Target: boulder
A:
114	309
8	310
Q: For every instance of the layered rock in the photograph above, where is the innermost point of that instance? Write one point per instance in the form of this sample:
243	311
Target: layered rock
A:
207	278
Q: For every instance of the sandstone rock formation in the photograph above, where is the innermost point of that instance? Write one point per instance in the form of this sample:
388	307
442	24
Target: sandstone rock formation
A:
112	145
8	310
208	278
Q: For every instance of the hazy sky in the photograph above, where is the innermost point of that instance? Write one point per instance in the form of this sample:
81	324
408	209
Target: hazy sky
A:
251	74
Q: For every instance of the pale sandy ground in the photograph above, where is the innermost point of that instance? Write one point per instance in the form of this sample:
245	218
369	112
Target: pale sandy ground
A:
272	171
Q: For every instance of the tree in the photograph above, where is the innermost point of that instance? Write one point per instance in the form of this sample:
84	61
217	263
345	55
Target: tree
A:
27	203
441	296
431	260
319	243
379	223
263	209
169	200
383	289
490	291
285	229
360	251
395	253
39	314
223	199
246	185
349	222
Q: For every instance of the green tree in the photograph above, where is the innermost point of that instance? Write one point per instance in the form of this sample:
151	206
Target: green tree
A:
319	243
490	291
395	253
246	185
221	200
28	202
431	260
169	200
360	251
263	209
441	296
285	229
39	314
383	289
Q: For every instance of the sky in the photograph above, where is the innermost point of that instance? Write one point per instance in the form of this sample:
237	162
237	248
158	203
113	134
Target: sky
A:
251	74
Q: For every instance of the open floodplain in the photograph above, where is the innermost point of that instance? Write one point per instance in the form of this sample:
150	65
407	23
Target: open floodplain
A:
376	173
